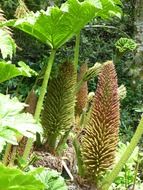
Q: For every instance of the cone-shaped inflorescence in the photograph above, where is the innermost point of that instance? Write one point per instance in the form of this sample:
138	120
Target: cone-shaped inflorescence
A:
59	104
81	97
31	100
101	132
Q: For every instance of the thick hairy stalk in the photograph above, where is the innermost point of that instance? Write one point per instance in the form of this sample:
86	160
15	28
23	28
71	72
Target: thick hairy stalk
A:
13	156
27	149
76	145
40	101
81	96
44	85
62	141
58	112
109	179
99	141
6	154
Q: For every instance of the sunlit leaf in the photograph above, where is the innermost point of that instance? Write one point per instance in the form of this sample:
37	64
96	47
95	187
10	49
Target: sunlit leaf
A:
7	44
14	123
14	179
10	107
23	123
57	25
8	70
7	135
52	180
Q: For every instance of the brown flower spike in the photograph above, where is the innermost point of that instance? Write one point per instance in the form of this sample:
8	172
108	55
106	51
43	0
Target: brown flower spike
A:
101	133
83	92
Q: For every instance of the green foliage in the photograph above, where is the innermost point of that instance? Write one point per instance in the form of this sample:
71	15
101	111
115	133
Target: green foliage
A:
109	179
109	8
92	72
14	123
12	178
127	175
9	70
7	44
125	44
57	25
52	180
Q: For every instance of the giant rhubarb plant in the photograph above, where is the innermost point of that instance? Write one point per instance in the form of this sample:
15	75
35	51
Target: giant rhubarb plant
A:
101	133
56	26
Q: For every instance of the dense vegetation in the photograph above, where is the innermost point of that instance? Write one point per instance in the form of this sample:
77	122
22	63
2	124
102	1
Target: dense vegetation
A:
69	122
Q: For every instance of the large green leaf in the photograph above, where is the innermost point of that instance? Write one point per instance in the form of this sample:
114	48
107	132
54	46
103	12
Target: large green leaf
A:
57	25
8	70
22	123
14	123
7	135
109	8
10	107
14	179
7	44
52	180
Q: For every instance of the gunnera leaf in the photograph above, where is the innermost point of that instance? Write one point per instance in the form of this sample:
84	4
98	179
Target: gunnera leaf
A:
56	26
81	96
125	44
101	132
15	179
52	180
59	103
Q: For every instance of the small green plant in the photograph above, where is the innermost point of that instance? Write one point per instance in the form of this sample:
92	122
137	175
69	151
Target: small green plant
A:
9	70
125	44
128	176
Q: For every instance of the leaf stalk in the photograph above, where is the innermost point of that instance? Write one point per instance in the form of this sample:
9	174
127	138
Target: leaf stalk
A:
40	101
